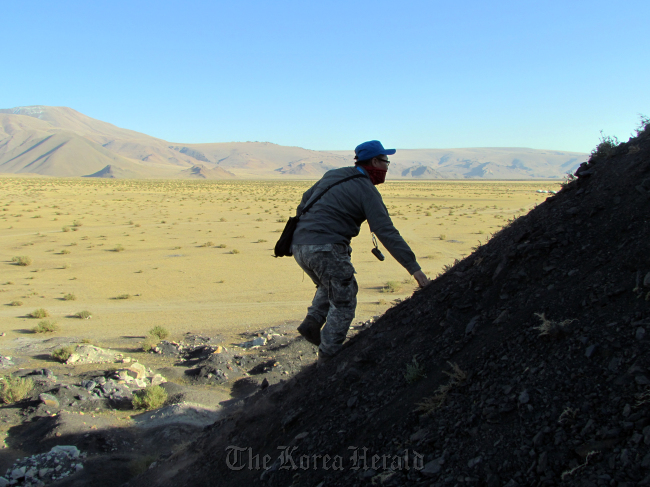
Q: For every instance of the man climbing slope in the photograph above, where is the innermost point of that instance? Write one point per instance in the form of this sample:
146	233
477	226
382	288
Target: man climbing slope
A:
321	243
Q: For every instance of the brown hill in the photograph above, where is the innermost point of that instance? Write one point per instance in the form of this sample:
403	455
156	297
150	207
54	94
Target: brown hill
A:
525	364
28	127
201	172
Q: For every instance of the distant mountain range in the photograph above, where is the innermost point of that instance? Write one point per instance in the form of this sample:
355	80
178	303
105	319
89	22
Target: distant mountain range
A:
59	141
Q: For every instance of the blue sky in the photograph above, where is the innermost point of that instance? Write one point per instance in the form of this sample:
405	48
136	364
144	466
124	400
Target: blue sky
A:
328	75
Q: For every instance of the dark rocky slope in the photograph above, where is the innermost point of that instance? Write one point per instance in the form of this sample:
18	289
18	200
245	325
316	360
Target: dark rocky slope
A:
549	324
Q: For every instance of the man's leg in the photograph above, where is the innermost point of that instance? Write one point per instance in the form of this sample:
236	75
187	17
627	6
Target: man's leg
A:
317	312
342	294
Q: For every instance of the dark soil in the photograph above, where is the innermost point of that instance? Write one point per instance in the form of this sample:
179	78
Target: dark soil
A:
525	364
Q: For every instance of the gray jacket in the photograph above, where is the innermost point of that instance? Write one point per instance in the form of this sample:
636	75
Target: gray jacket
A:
338	215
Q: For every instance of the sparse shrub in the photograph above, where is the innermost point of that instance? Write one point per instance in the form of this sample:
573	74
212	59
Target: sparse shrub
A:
76	223
69	297
16	303
281	219
118	248
644	123
430	404
551	328
149	343
152	397
261	240
123	296
392	287
14	389
159	331
443	236
46	326
414	371
22	260
234	251
84	315
39	313
605	147
221	246
207	244
66	266
63	354
65	229
64	252
222	219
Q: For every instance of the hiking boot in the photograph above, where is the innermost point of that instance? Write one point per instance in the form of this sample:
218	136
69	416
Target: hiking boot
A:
310	329
323	359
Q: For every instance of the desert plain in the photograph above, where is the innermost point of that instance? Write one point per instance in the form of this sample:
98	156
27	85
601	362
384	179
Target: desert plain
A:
198	255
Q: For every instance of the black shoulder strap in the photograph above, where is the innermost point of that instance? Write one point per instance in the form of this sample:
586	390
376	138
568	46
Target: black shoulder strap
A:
311	203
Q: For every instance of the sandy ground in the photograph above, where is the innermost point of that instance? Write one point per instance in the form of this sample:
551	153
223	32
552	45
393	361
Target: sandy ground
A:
197	255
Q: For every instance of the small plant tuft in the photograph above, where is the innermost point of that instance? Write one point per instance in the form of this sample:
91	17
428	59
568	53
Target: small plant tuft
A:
149	343
69	297
118	248
46	326
152	397
605	147
431	404
414	371
39	313
84	315
551	328
123	296
16	303
63	354
14	389
22	260
159	331
392	287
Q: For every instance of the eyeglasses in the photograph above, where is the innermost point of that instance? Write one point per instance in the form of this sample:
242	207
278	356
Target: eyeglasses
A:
383	160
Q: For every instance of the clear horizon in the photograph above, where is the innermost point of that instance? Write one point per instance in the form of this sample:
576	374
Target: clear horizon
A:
328	76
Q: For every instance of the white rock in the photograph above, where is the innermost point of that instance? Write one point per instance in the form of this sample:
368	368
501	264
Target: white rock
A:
70	450
18	473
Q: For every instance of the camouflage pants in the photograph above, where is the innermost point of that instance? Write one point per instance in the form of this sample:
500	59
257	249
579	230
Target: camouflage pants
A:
335	301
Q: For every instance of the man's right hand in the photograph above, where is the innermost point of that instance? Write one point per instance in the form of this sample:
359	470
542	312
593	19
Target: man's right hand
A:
421	278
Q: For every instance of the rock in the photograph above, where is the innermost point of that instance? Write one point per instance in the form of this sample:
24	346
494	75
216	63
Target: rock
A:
590	350
265	383
472	324
258	342
137	370
646	280
89	385
642	380
432	468
524	397
640	333
474	461
157	379
70	450
89	354
18	473
4	482
49	400
419	435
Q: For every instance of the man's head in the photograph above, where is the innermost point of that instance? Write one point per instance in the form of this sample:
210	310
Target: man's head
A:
373	157
372	153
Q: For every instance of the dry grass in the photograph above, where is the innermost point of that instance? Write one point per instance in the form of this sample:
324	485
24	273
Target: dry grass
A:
551	328
431	404
152	397
14	389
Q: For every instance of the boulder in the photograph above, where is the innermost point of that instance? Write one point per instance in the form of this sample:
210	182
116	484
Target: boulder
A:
49	400
89	354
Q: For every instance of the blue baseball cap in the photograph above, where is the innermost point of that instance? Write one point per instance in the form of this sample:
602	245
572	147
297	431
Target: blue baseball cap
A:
370	149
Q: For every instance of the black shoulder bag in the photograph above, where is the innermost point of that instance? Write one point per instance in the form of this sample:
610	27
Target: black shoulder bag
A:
283	246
